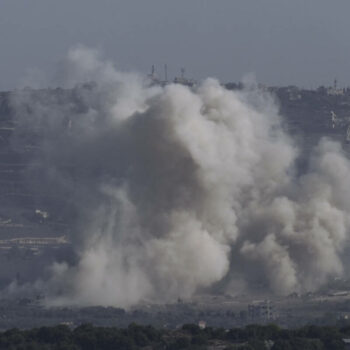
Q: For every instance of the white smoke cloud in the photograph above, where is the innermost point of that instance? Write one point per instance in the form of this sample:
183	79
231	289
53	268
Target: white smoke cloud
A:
176	189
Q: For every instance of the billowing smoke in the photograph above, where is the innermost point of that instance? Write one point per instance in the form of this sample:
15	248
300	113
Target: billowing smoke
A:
174	190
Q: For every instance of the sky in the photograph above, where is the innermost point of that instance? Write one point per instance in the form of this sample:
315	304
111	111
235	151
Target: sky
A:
282	42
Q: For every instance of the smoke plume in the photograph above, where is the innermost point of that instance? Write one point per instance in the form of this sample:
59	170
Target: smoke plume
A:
173	190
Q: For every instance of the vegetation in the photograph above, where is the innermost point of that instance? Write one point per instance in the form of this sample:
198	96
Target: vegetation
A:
189	337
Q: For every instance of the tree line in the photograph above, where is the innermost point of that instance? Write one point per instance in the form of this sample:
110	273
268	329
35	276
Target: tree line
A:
188	337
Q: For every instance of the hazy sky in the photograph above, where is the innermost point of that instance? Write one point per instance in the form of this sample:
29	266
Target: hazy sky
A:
302	42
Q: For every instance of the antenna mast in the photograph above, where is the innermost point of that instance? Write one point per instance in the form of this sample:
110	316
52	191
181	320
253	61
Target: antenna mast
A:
165	72
182	73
